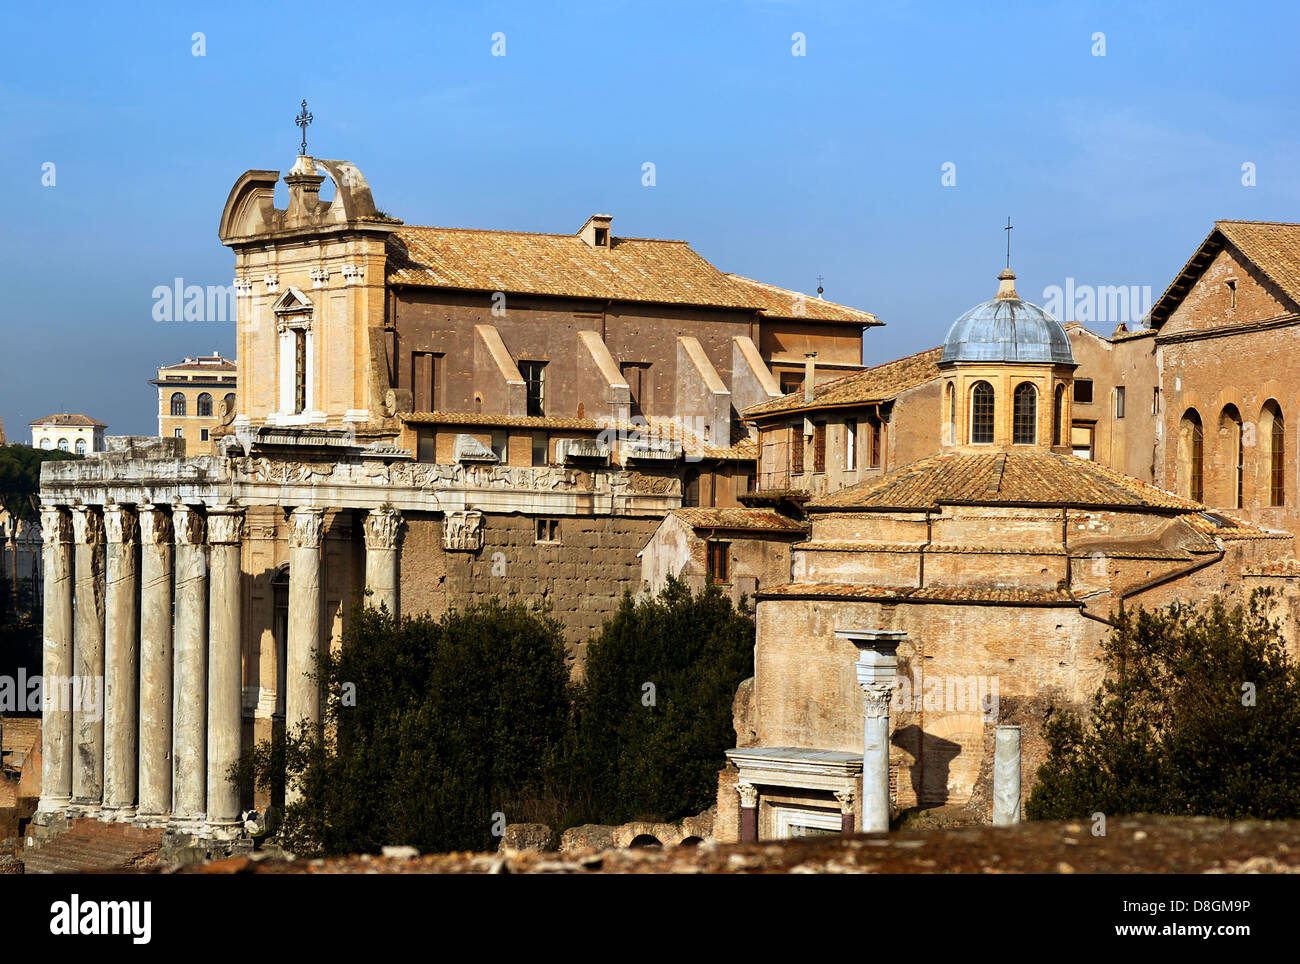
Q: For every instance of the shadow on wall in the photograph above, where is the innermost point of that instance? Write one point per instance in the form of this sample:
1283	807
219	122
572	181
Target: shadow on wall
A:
930	771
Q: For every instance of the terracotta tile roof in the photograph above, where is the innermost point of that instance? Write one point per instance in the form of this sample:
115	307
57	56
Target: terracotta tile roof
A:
563	265
1003	478
766	520
940	594
1288	569
1272	246
1220	526
878	384
69	418
204	363
783	303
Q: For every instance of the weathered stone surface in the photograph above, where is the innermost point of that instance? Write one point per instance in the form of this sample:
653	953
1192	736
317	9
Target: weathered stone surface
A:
526	836
588	837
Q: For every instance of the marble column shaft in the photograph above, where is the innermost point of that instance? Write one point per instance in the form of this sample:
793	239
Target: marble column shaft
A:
121	662
302	697
88	659
381	531
875	757
190	670
225	664
1006	775
56	660
155	663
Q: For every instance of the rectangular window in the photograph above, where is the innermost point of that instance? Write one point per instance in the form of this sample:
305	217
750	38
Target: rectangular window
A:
535	386
426	446
424	381
203	435
819	447
540	453
791	383
179	433
876	431
299	371
1119	402
548	530
796	450
500	441
1081	440
850	446
637	376
1083	391
1155	401
719	561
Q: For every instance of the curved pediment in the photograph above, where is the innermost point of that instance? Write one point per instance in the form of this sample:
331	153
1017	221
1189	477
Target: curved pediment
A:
250	207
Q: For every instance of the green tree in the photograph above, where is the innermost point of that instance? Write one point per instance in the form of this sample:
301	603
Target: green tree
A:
654	705
1199	714
20	478
432	727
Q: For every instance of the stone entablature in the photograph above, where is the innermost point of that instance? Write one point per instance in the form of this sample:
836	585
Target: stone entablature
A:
405	486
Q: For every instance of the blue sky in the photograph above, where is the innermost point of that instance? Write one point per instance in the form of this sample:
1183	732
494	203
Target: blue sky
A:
774	166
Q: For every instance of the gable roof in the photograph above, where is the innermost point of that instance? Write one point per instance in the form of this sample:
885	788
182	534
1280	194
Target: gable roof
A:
878	384
757	520
565	266
1271	246
1004	478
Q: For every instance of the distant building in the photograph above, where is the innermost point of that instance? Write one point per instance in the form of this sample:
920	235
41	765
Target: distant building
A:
69	432
190	397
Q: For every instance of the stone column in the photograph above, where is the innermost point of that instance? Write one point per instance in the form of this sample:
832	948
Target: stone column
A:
748	811
225	665
121	664
190	673
88	661
877	672
56	661
155	666
302	696
845	798
1006	775
382	526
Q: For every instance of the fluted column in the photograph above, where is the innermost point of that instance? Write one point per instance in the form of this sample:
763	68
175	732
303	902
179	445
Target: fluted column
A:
155	665
382	526
88	660
56	660
121	663
225	664
302	697
190	672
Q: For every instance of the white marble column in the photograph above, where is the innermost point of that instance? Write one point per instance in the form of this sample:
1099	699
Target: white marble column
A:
877	673
302	697
1006	775
382	527
88	661
225	665
155	666
190	673
56	661
121	663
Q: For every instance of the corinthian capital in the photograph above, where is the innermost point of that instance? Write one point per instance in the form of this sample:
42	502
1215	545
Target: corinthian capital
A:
188	525
226	526
56	525
381	528
748	794
878	695
120	525
306	527
845	798
155	525
87	526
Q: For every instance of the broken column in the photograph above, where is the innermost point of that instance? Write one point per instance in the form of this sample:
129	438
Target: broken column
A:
877	671
1006	775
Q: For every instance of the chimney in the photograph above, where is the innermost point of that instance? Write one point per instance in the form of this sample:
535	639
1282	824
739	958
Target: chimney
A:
809	375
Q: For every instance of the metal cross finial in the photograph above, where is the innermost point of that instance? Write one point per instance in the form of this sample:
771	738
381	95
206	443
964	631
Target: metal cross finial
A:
820	279
1006	229
302	120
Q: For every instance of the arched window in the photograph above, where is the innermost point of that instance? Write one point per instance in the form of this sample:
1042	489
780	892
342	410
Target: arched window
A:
981	414
950	430
1024	415
230	401
1273	428
1232	441
205	405
1058	414
45	443
1192	439
81	446
178	404
63	445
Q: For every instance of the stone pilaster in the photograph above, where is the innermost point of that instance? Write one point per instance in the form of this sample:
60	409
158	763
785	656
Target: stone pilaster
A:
121	663
225	665
190	672
56	661
88	661
155	666
381	529
302	697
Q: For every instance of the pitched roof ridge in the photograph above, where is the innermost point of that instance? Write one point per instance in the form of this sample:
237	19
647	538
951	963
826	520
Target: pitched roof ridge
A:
529	234
1284	224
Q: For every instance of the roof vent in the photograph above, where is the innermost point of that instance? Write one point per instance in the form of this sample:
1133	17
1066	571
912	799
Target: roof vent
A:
596	231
